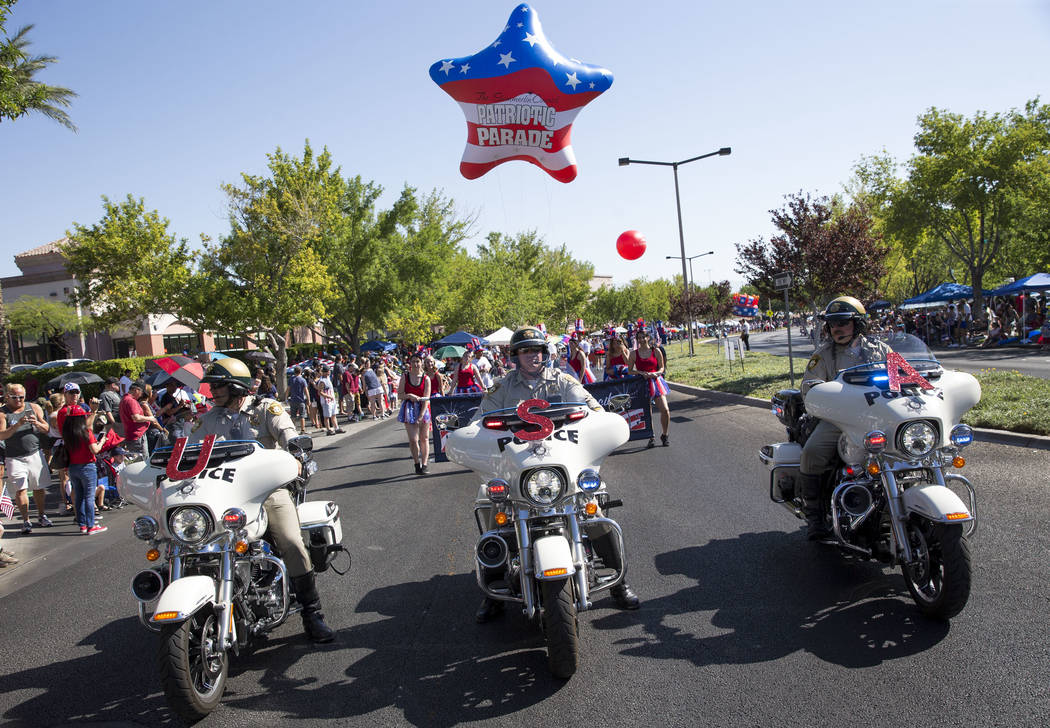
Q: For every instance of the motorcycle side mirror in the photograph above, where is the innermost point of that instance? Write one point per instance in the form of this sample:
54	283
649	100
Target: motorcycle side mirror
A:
302	443
448	421
619	403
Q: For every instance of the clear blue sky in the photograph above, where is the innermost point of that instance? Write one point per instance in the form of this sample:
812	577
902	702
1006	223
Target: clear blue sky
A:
178	98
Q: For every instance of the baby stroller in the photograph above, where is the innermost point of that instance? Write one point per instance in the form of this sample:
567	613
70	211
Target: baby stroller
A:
108	463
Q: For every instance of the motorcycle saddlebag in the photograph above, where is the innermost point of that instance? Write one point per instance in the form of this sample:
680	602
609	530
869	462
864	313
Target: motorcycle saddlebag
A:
322	533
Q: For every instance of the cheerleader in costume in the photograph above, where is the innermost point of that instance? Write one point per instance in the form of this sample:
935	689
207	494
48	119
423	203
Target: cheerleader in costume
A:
414	392
616	359
578	362
647	361
466	376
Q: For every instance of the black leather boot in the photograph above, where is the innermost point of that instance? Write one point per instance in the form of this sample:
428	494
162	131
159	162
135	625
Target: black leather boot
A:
813	508
305	589
624	596
489	609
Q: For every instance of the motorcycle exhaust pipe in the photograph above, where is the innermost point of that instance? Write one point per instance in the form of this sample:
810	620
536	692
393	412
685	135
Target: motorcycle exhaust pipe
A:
147	585
492	551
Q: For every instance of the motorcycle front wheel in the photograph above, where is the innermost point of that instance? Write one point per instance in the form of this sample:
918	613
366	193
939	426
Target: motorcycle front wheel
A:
192	667
939	580
561	627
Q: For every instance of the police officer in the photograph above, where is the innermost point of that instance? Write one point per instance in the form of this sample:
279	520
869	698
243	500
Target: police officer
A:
845	326
238	416
532	380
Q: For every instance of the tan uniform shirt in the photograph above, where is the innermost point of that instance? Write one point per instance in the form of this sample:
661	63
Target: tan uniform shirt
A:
259	418
551	385
831	358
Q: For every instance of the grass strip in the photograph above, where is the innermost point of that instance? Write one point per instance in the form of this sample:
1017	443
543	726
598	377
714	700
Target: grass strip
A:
1009	400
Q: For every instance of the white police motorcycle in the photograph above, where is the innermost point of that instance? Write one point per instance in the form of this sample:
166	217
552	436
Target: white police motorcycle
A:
544	498
890	495
218	582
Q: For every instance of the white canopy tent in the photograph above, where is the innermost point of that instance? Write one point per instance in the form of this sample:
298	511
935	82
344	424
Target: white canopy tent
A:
500	337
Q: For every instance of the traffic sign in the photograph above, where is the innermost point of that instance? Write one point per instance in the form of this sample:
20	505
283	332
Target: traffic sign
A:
782	281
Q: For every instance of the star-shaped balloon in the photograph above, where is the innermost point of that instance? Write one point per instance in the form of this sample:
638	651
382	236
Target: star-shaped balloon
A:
520	97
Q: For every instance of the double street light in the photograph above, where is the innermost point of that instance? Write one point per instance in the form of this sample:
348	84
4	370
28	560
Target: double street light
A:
691	281
624	161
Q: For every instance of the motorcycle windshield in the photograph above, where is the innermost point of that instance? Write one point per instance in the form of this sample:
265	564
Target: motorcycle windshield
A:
912	348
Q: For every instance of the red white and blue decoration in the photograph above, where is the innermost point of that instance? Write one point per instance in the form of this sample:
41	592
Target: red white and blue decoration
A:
520	98
745	305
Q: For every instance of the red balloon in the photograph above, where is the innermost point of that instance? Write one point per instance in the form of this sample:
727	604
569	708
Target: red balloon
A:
630	245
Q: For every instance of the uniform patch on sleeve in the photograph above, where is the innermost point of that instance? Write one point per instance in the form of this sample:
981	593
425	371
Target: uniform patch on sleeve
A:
813	361
197	426
275	408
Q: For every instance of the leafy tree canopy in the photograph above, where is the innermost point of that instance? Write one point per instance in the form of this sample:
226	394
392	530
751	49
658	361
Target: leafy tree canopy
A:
47	319
20	94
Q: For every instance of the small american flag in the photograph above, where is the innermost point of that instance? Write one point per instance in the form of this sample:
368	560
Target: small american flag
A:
7	506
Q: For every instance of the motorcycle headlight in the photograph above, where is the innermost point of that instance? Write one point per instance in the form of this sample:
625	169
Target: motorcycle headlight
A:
146	528
190	524
961	435
589	480
917	439
543	486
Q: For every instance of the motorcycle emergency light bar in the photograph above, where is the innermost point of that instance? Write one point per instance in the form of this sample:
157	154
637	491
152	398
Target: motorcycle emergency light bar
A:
961	435
494	423
576	416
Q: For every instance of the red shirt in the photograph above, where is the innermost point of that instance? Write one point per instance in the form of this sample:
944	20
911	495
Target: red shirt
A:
82	454
130	406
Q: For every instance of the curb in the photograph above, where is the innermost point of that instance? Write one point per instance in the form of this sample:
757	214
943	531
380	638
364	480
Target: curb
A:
1001	437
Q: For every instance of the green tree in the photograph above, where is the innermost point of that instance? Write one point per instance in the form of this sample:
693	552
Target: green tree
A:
975	182
828	249
20	94
267	273
127	265
388	265
5	353
48	320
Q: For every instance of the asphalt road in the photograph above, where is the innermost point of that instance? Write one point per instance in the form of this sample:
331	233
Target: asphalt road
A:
743	623
1025	360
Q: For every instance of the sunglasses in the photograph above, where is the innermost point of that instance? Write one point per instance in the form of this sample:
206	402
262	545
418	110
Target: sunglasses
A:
530	350
839	324
16	396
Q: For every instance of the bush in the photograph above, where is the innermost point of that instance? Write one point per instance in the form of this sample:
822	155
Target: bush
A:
107	368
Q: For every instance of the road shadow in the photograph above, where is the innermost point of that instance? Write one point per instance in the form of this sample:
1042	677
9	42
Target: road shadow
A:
117	682
424	656
772	594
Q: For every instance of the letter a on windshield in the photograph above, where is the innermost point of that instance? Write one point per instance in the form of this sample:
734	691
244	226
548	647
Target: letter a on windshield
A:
896	365
546	425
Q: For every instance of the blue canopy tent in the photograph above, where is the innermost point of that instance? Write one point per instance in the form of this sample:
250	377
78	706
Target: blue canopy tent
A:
1035	282
460	338
377	345
880	305
941	294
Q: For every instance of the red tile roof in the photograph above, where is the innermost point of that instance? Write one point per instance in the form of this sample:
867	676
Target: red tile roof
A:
52	247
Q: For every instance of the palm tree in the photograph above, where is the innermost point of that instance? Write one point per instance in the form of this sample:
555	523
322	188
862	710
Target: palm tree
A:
19	93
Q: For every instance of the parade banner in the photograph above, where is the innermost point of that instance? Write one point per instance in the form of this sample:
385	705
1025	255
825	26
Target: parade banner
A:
464	407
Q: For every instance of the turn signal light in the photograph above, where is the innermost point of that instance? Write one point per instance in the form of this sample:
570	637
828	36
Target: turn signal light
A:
162	616
241	547
956	516
958	461
152	555
874	469
591	508
500	518
556	572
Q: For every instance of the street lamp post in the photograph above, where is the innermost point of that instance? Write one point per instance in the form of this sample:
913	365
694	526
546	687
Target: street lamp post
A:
690	282
624	161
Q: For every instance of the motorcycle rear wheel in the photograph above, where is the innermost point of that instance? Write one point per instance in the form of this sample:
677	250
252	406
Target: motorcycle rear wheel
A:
939	581
192	671
561	627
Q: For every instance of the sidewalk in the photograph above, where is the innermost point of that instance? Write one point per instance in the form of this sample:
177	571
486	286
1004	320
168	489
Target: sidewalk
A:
48	550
